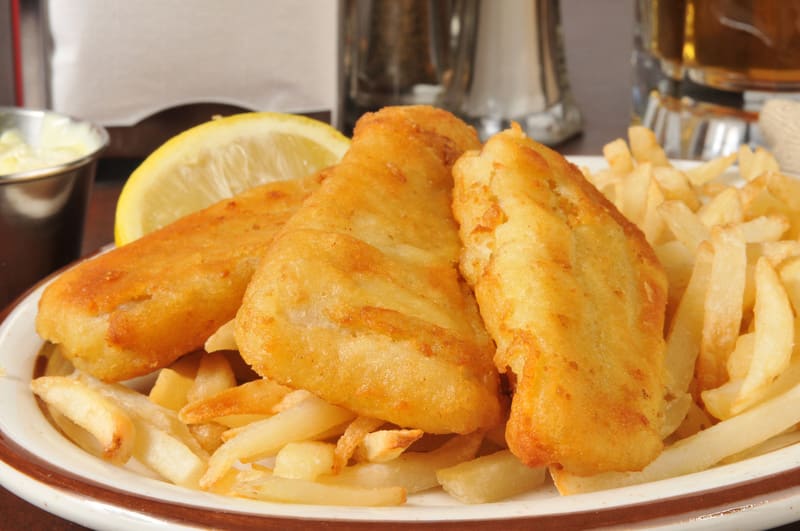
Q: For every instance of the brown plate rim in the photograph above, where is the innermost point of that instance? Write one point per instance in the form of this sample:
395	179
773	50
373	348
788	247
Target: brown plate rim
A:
717	502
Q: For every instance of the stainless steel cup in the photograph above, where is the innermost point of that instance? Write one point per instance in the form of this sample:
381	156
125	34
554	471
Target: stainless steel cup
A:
42	211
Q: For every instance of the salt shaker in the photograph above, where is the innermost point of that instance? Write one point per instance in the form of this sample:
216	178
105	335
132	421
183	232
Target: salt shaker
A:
511	67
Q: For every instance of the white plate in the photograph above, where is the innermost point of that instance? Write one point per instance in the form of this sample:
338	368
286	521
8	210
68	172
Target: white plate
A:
38	464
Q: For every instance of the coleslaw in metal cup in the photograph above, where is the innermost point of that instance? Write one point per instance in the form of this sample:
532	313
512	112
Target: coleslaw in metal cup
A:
47	166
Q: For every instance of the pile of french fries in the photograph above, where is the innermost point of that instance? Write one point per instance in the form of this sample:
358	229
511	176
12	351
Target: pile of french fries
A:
206	422
726	232
732	377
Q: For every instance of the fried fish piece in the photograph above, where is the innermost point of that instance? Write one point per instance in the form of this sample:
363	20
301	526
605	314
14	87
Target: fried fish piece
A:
359	300
139	307
574	297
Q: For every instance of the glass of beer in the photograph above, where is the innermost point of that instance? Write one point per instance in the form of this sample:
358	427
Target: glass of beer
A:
724	59
743	45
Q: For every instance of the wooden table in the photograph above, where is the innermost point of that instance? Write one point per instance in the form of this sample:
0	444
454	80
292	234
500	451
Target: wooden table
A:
598	40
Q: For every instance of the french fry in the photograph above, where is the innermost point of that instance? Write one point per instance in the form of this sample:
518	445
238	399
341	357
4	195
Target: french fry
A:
784	188
774	333
257	397
85	440
171	389
710	170
102	418
167	455
618	156
777	252
764	229
678	263
675	186
723	209
633	191
712	189
770	445
753	164
326	435
719	401
415	471
489	478
645	146
292	399
760	357
309	418
604	180
214	374
758	200
238	421
304	460
674	413
277	489
684	224
222	339
727	401
749	297
790	277
739	361
137	405
385	445
208	434
699	451
187	365
334	432
686	328
351	438
652	224
722	317
744	157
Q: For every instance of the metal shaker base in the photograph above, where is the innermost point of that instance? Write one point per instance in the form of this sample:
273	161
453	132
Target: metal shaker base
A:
550	126
689	129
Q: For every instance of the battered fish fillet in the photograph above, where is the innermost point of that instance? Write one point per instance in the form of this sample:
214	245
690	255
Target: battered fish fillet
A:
139	307
574	297
360	300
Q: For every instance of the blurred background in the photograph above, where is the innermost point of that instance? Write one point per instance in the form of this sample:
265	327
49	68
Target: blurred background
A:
573	73
149	69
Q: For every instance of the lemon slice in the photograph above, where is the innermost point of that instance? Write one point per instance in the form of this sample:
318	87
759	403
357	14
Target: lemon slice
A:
219	159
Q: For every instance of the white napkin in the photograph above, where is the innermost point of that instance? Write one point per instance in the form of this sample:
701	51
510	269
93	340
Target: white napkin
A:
779	121
117	62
